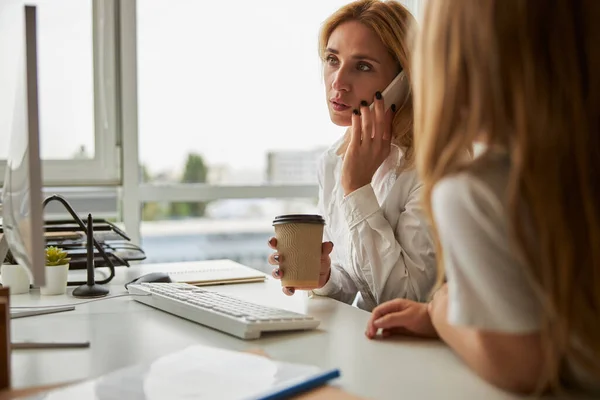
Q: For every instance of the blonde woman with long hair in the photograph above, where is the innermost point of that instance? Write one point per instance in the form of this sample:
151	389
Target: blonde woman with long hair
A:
369	192
519	226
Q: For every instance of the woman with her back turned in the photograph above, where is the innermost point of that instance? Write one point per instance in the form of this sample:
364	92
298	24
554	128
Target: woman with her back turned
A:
369	191
518	228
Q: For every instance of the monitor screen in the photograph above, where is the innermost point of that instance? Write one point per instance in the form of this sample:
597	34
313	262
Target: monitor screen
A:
22	191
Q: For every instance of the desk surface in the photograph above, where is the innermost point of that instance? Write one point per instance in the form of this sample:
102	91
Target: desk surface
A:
124	332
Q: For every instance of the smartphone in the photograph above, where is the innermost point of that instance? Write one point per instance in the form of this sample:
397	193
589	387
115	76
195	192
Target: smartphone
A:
395	92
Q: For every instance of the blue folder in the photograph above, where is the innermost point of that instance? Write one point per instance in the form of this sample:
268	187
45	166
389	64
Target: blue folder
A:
302	386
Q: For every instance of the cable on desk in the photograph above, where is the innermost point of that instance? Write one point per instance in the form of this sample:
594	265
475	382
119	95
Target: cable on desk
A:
76	304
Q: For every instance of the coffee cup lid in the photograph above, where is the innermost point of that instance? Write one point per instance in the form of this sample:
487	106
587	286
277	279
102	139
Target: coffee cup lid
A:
299	219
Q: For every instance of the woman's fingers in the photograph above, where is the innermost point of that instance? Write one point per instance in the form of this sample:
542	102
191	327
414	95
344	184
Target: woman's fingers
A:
277	273
355	139
392	320
387	332
366	117
326	248
389	307
388	124
275	258
380	311
396	331
382	128
273	243
371	331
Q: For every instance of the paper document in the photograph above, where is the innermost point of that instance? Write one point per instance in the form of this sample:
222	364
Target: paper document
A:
197	372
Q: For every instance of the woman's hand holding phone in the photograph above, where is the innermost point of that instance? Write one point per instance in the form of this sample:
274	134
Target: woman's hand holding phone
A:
370	144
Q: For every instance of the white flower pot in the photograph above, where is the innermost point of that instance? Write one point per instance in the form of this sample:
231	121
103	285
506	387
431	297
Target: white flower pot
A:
15	277
56	280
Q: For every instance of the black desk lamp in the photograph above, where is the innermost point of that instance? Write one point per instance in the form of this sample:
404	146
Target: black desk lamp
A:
90	288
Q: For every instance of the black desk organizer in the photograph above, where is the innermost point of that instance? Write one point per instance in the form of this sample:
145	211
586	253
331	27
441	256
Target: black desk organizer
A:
112	246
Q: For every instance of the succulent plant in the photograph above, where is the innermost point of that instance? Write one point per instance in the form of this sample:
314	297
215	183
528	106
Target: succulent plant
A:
56	256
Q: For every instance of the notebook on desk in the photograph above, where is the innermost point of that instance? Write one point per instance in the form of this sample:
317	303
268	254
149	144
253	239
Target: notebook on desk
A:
213	272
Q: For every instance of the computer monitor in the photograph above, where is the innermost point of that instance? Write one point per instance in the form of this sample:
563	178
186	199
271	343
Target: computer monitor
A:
22	210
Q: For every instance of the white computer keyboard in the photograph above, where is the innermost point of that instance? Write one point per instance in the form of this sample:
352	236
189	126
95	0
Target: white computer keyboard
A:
225	313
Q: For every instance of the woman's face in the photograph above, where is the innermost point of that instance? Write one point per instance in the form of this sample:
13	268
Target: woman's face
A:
356	66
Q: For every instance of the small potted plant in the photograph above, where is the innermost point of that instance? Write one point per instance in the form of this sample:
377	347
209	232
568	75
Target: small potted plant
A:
57	271
14	275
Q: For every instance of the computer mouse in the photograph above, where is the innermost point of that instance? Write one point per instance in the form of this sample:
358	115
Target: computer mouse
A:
152	277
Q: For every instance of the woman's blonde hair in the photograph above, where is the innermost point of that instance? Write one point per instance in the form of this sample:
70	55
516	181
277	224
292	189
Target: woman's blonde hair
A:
525	75
394	25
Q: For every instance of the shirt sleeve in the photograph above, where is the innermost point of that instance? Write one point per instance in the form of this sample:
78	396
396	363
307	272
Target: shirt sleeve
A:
376	251
488	286
340	285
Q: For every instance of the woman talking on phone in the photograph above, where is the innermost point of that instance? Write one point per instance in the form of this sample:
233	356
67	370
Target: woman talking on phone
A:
369	192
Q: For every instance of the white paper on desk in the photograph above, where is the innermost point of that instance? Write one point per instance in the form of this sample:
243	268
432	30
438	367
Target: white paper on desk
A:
198	372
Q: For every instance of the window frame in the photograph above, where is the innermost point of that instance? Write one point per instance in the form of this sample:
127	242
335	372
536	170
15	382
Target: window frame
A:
203	192
104	168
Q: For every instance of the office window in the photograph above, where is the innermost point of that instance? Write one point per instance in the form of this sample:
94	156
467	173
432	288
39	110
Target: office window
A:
238	83
77	135
236	229
231	82
230	94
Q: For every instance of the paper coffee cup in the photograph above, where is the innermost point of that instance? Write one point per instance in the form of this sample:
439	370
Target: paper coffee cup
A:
299	240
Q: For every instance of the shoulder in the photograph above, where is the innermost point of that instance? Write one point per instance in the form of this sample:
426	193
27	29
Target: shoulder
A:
479	193
410	177
458	192
406	176
466	210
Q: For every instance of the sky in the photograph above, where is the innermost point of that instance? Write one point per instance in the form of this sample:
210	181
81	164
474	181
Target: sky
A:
229	80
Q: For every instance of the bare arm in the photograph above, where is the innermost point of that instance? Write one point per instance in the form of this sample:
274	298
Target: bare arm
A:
512	362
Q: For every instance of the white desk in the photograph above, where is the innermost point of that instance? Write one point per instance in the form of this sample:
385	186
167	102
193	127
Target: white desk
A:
123	332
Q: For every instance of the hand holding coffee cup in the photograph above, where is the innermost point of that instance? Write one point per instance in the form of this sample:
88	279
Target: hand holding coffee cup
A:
324	272
303	259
